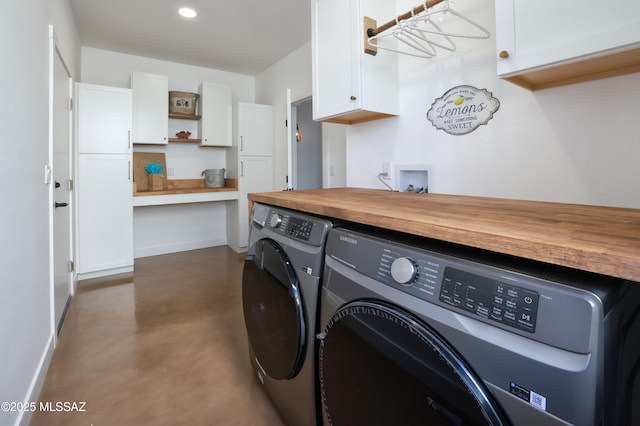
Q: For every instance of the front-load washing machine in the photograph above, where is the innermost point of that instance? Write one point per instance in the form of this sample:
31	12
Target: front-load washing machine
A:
415	331
280	291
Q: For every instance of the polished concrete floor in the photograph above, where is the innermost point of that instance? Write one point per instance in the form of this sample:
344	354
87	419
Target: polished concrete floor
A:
167	346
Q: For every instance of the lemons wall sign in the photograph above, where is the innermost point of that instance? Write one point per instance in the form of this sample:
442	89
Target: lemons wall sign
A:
462	110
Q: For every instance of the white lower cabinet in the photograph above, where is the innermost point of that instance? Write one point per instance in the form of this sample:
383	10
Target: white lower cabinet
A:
256	175
105	214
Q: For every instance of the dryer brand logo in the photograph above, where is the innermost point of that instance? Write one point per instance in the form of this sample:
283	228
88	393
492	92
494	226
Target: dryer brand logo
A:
348	240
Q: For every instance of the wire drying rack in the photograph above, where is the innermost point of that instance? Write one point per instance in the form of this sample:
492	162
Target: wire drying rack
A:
422	31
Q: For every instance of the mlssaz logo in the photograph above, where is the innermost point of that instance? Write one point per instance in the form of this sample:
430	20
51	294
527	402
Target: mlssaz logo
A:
348	240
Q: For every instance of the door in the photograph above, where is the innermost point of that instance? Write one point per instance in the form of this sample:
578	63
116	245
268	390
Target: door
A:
61	117
381	365
273	312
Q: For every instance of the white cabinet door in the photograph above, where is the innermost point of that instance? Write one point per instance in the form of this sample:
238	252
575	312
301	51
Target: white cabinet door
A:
105	212
545	34
150	108
335	60
103	117
216	110
255	129
350	86
256	175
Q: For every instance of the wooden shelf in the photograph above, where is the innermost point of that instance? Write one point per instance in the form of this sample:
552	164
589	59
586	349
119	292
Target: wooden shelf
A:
184	140
184	116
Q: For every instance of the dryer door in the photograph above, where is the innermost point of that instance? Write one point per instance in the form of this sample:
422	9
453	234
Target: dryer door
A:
273	312
380	365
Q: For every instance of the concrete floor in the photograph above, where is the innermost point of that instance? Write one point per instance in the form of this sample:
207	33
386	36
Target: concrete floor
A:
167	346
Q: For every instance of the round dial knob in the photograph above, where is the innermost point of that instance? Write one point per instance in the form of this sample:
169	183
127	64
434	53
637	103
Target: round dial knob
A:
404	270
275	220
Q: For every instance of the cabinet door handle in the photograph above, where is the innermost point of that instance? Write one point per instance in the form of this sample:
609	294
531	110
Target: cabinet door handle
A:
241	143
128	139
129	169
503	54
353	98
241	168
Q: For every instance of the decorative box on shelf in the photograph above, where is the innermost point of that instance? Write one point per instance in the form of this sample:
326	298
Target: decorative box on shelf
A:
156	182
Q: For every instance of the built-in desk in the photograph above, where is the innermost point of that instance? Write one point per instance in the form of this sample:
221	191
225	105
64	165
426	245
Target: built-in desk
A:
184	191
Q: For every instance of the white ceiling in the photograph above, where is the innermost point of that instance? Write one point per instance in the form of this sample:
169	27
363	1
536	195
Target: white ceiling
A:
243	36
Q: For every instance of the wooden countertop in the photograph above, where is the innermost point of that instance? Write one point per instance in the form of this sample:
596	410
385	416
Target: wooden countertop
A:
188	186
604	240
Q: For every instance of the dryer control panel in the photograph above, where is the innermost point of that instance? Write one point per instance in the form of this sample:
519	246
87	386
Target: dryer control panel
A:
513	300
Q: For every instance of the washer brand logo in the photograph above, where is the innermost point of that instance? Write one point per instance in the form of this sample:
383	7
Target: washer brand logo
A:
348	240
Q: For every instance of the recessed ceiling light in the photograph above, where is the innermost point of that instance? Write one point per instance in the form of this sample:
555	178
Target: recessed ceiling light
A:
187	12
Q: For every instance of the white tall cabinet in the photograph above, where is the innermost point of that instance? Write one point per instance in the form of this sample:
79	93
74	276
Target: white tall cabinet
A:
251	161
104	183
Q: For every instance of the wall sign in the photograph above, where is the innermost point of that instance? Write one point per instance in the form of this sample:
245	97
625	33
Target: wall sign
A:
462	110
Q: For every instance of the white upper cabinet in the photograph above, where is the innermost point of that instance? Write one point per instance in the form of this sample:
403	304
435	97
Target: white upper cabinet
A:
150	108
255	129
548	43
216	109
103	119
350	86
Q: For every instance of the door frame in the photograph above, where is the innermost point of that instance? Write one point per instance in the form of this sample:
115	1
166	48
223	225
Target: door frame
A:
53	52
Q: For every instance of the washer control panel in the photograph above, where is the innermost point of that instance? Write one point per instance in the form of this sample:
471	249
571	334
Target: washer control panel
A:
488	298
292	224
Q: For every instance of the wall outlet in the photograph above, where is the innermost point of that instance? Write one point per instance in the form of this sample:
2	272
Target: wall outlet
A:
169	171
386	170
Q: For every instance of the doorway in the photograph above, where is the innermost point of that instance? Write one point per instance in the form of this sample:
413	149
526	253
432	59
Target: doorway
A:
60	116
306	146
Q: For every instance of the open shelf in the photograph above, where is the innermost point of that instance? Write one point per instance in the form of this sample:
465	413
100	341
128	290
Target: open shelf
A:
184	116
184	140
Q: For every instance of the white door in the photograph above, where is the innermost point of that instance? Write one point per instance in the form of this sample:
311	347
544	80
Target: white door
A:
62	171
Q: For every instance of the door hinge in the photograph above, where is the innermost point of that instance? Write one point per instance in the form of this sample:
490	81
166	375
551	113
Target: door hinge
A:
70	185
72	266
70	104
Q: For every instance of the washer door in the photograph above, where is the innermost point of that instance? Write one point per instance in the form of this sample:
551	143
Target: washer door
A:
380	365
273	311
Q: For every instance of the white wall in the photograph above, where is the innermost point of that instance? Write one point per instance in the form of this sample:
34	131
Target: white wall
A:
26	331
576	144
292	72
166	229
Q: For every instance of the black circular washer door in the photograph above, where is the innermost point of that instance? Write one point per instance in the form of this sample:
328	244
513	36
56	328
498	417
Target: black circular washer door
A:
381	366
273	312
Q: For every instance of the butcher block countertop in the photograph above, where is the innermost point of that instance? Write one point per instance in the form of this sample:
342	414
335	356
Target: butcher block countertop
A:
603	240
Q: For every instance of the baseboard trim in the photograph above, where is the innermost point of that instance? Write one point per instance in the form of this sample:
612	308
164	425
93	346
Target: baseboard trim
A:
33	393
177	247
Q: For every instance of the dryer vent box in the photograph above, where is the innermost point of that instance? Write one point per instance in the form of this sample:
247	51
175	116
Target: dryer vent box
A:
413	177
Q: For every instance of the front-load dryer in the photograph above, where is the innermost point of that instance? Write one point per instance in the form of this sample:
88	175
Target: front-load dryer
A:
280	291
419	332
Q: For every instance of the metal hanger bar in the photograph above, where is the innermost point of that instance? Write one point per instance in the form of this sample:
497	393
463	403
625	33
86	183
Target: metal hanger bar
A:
418	9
